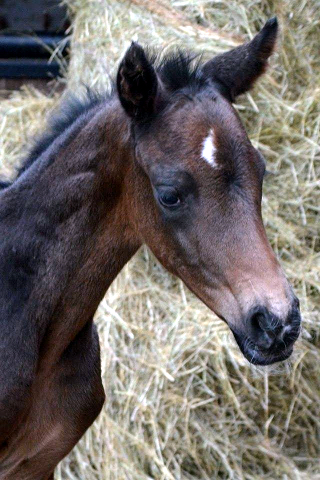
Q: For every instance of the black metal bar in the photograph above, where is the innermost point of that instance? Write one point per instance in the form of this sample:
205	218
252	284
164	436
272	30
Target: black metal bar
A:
18	46
28	68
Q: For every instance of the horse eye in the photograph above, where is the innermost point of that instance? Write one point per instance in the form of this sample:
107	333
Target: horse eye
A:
169	199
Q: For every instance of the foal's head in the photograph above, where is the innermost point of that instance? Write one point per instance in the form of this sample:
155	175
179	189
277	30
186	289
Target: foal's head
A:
198	189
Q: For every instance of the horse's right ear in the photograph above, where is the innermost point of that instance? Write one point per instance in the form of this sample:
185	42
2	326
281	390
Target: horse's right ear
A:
137	83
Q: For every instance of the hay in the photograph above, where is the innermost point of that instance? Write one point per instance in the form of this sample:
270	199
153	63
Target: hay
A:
182	403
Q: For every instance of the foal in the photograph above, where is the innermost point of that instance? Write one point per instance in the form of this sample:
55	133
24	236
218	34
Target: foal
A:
164	160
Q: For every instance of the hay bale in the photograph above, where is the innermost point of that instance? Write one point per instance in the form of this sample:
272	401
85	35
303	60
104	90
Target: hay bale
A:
182	403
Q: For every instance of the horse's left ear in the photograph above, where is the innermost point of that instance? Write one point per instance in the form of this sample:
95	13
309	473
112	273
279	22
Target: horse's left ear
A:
237	70
137	83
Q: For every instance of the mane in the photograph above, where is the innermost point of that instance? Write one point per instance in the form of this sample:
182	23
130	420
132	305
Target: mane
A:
178	70
66	114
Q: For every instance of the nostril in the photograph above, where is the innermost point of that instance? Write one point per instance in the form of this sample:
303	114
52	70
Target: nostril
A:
264	328
263	320
258	320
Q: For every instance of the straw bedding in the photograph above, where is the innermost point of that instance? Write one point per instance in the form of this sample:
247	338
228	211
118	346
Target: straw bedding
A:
182	402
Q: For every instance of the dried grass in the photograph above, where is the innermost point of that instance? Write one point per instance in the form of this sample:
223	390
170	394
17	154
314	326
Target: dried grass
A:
182	403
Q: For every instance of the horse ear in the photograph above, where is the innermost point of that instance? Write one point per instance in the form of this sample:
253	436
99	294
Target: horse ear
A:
137	83
237	70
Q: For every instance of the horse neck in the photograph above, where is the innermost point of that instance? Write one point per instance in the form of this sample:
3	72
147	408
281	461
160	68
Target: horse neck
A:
73	227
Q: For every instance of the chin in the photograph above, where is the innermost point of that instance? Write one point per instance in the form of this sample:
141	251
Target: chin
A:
259	357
